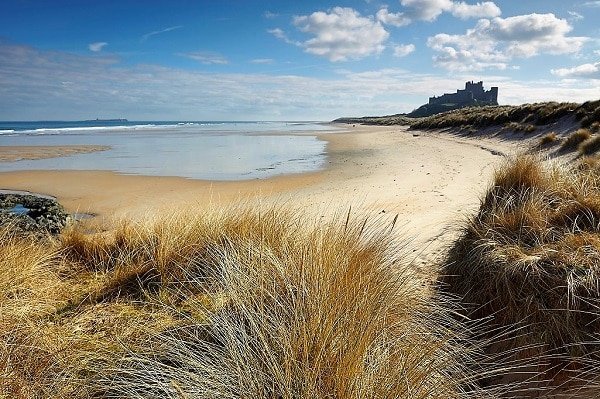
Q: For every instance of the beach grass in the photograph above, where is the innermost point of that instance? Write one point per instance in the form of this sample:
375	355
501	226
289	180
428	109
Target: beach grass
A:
590	146
575	139
519	117
548	140
529	262
231	303
525	118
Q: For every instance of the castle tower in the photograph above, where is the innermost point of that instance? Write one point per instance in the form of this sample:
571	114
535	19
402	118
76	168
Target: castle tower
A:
476	89
494	94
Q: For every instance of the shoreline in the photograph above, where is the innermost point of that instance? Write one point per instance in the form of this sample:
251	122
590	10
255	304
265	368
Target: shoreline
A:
429	179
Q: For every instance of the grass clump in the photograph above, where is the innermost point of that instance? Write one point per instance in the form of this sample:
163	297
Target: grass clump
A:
29	291
522	117
530	261
590	146
387	120
589	113
548	140
521	127
227	304
575	139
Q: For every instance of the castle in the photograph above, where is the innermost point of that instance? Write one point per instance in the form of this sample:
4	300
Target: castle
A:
472	96
473	93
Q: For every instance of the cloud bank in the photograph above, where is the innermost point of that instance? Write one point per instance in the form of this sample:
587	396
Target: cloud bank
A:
341	34
588	71
494	43
430	10
37	84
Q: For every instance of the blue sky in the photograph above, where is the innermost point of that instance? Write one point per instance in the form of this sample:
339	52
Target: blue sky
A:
280	60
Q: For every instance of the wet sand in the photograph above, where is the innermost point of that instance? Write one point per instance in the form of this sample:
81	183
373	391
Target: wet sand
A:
431	180
17	153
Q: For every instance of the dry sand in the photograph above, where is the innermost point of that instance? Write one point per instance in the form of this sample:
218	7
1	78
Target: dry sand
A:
17	153
431	180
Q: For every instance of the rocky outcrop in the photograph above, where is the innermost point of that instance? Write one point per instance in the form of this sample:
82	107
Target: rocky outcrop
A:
32	213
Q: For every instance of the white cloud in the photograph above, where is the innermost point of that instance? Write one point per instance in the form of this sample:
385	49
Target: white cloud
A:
281	35
41	85
262	61
591	4
97	46
205	57
429	10
341	34
270	15
486	9
403	50
494	43
575	16
582	71
395	19
158	32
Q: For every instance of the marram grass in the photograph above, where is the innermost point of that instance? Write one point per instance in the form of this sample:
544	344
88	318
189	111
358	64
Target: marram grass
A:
530	262
229	304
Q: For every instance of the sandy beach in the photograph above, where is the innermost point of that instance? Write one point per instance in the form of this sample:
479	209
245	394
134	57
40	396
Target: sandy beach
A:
17	153
431	180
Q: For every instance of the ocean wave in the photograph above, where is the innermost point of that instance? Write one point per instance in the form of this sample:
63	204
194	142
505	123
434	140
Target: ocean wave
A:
77	129
183	126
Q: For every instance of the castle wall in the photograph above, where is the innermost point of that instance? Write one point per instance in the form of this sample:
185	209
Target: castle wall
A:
472	91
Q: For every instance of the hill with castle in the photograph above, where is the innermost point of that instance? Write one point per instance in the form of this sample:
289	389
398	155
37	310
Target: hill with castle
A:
473	95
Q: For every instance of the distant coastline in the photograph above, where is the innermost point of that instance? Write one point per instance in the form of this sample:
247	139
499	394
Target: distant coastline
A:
106	120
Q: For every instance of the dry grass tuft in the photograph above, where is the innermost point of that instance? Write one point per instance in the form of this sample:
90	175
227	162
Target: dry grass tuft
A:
590	146
325	312
575	139
530	261
29	291
548	140
521	127
520	118
227	304
589	113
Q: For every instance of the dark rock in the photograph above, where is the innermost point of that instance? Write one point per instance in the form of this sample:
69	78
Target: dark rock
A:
31	213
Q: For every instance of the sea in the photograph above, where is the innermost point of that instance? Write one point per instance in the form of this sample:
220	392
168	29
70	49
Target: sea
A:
214	150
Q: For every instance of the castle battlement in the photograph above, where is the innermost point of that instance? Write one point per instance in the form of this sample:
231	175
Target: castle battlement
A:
472	93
